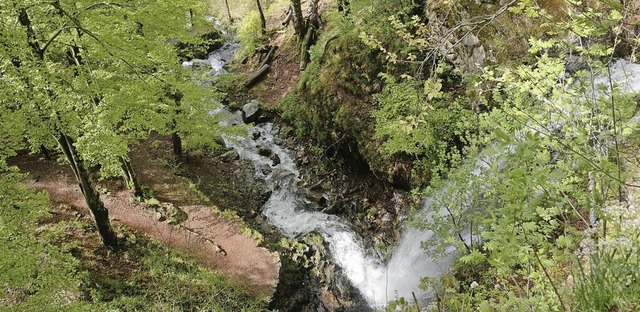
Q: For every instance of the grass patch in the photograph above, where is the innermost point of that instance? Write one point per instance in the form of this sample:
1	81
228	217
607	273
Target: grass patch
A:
54	261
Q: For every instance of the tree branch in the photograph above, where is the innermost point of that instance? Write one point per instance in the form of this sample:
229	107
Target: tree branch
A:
46	45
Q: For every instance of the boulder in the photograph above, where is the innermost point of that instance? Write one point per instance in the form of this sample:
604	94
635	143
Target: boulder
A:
251	111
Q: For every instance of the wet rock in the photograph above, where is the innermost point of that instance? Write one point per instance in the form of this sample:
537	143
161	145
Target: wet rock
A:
477	57
264	151
311	282
386	218
238	114
275	159
575	63
251	111
318	198
265	170
230	156
264	196
219	140
256	135
300	162
334	209
470	40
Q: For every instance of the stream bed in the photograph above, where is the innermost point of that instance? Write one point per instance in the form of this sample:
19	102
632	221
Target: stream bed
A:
287	209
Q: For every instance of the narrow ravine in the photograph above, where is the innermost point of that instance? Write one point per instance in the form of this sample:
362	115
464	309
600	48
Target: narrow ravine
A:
378	281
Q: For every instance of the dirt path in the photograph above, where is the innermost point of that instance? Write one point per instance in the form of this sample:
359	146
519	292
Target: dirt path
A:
214	240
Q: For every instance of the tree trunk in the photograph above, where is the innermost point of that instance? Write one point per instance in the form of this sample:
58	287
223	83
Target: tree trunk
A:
177	142
226	2
92	197
263	22
45	152
304	48
312	24
130	179
298	21
175	137
256	76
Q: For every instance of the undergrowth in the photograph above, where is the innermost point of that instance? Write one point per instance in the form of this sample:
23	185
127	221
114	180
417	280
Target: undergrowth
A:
53	261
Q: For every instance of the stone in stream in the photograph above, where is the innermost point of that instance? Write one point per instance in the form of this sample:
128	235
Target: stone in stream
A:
317	197
251	111
264	151
275	159
230	156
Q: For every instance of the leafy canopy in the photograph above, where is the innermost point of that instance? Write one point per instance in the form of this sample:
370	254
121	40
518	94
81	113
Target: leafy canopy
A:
97	72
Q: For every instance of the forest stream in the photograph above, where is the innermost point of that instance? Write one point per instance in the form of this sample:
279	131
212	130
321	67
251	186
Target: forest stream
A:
377	280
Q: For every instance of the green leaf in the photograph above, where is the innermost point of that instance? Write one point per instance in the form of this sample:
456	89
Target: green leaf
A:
502	135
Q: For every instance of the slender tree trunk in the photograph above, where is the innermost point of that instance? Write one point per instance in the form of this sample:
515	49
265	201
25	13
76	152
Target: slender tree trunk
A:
263	21
312	24
130	179
177	143
92	197
175	137
298	22
45	152
304	48
226	2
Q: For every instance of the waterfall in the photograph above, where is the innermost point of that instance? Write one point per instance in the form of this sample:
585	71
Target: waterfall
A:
286	208
377	281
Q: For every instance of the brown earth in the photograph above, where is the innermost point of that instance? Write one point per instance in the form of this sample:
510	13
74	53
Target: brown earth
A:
215	240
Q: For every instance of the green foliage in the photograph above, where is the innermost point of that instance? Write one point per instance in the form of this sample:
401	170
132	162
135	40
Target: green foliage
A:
331	104
418	119
96	72
166	280
550	156
250	34
38	270
606	273
35	274
231	83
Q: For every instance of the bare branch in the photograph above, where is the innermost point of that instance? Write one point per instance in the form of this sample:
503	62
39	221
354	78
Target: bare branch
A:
46	45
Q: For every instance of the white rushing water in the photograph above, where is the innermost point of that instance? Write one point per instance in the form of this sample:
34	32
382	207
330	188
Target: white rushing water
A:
216	59
287	208
378	282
